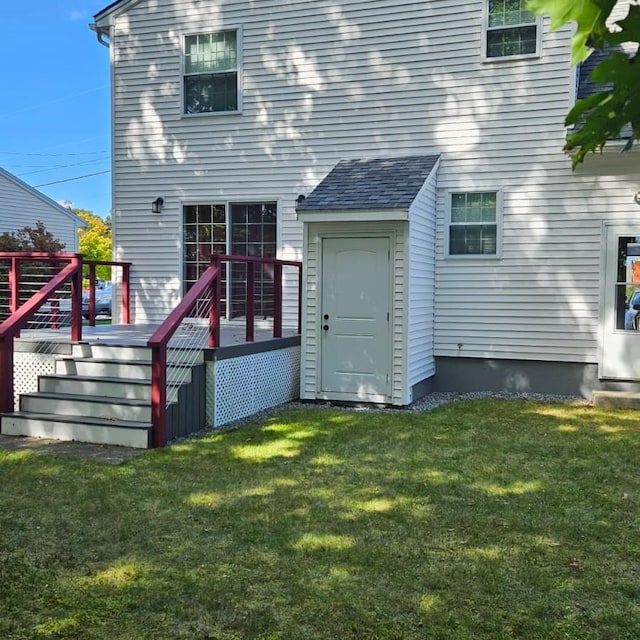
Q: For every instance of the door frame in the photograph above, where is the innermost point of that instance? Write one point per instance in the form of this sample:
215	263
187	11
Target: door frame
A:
617	227
346	233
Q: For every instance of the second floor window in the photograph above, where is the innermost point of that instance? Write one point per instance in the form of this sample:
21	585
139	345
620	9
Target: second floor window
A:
211	72
511	29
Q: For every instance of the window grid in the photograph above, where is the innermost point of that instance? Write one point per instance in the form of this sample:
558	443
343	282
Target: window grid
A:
473	228
211	72
512	30
246	229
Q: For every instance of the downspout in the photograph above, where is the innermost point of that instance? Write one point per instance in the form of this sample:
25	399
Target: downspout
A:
102	34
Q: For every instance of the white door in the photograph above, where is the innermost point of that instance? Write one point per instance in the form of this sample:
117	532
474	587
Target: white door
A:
355	328
620	355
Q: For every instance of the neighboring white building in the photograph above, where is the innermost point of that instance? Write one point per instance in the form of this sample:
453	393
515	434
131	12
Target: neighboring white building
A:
23	206
230	111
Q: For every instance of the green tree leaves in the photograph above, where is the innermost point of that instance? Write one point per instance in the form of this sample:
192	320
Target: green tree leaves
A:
605	115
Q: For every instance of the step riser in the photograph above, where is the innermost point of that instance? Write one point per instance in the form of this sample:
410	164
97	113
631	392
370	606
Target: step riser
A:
15	426
111	352
134	354
96	388
108	411
124	370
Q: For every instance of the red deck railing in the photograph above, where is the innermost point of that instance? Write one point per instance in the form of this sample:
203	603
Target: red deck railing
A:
205	297
49	273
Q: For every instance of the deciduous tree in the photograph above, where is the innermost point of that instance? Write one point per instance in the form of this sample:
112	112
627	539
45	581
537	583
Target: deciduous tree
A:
95	240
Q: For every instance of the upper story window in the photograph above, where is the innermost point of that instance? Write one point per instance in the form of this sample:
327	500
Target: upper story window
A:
211	72
473	223
511	30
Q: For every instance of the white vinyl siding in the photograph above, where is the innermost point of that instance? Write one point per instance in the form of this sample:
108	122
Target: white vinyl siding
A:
339	80
421	276
21	206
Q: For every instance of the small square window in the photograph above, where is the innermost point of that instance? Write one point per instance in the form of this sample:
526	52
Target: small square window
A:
473	223
211	72
511	30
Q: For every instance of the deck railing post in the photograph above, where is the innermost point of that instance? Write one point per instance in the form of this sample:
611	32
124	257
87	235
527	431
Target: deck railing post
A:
76	299
126	305
214	307
6	374
159	395
14	285
277	300
250	304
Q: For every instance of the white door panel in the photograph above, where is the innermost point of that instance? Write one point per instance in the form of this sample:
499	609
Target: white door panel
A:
355	318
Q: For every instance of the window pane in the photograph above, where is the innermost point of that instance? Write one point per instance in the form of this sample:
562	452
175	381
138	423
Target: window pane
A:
511	42
473	240
509	12
209	93
211	52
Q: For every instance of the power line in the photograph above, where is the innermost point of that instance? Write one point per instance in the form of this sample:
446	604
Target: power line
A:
88	175
53	155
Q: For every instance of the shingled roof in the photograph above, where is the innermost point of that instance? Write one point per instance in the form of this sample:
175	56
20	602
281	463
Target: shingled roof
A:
379	183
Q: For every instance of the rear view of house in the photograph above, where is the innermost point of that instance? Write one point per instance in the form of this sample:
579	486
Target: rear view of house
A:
21	205
270	129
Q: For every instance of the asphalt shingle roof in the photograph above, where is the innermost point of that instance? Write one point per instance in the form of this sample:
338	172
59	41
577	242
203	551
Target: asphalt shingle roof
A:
379	183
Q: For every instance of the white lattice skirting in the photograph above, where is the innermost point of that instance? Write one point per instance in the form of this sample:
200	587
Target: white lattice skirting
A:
248	384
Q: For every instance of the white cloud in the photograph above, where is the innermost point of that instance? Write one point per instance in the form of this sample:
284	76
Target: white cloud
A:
78	14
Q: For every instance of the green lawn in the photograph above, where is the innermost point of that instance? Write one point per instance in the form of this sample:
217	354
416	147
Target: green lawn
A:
486	519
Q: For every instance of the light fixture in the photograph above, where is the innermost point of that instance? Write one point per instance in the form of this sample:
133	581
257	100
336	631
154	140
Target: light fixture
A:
157	204
636	197
300	199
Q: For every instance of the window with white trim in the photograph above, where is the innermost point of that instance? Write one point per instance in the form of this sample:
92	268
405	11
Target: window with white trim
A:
473	223
236	228
211	72
511	30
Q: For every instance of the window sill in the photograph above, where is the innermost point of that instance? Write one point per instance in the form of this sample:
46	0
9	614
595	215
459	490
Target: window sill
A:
473	256
205	114
523	56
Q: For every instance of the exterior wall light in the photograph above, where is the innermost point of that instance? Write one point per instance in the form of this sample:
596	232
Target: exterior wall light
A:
636	197
156	205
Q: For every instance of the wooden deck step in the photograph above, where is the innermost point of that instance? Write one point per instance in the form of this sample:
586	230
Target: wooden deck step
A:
125	433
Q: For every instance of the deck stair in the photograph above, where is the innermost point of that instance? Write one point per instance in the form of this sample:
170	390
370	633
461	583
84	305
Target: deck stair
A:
102	394
616	399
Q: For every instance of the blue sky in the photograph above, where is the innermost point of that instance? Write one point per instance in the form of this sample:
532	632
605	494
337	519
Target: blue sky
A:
54	103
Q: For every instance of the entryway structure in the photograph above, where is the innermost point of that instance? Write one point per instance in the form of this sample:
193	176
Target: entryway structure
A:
369	276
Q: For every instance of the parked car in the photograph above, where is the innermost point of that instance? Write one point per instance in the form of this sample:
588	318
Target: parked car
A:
632	311
103	302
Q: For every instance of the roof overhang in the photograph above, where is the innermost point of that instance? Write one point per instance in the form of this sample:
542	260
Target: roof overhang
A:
612	160
353	215
103	18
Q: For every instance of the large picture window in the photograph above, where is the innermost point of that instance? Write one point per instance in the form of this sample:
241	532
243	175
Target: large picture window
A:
211	72
244	229
511	29
473	224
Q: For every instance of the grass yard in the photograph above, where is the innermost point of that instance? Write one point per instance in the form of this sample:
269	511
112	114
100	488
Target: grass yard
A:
484	519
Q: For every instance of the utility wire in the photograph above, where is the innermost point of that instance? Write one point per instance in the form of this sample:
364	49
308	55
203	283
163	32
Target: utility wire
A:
88	175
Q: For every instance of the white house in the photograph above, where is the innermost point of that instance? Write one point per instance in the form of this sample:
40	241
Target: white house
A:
22	206
503	270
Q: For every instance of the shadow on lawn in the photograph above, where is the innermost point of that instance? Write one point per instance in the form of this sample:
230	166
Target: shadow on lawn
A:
482	519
